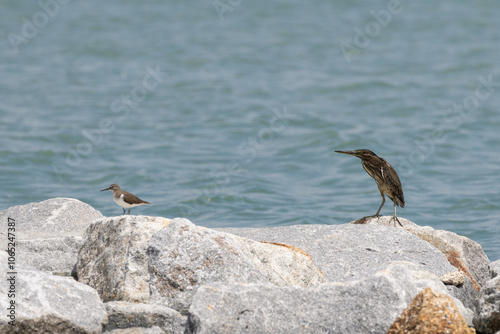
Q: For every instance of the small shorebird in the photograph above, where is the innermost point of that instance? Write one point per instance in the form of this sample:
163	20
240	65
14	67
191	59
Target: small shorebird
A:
125	199
384	175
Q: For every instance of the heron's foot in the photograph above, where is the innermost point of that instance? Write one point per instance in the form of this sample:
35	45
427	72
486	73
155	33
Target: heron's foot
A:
395	218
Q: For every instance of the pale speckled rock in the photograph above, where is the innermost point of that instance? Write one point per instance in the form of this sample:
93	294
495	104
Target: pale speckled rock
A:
183	257
126	315
455	278
113	257
463	253
349	251
368	305
137	330
47	303
487	317
495	268
52	232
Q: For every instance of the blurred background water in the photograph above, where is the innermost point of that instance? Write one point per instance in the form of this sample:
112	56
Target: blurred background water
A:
228	112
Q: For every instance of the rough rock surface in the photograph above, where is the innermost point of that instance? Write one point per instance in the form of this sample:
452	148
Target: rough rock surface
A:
463	253
52	231
183	257
495	268
368	305
430	312
350	252
46	303
113	257
137	330
487	317
455	278
129	315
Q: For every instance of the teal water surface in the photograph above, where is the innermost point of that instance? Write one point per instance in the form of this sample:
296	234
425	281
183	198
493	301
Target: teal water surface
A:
229	115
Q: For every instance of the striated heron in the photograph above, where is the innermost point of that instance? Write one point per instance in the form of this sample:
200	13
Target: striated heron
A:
384	175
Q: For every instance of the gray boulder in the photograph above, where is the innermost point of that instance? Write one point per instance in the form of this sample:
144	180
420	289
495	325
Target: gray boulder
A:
353	251
487	317
183	257
46	303
113	257
349	252
495	268
137	330
49	233
128	315
463	253
368	305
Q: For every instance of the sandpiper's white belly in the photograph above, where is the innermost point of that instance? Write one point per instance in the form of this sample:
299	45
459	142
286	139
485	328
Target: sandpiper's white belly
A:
119	200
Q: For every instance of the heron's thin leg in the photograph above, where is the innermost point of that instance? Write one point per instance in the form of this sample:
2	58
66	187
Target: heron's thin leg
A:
381	205
395	217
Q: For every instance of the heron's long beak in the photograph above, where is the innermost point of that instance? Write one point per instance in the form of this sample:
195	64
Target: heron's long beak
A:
105	189
347	152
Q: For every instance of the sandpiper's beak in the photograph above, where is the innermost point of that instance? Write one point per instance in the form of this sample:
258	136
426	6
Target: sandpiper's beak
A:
106	189
347	152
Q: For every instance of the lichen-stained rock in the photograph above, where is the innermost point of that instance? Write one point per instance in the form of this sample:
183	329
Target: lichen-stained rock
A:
431	312
183	257
46	303
487	317
113	257
52	232
367	305
129	315
463	253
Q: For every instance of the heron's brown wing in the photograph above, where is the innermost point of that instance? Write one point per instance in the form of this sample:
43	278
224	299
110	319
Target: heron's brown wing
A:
392	180
386	178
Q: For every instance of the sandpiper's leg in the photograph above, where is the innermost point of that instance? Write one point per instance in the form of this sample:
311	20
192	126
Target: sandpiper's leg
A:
123	211
129	211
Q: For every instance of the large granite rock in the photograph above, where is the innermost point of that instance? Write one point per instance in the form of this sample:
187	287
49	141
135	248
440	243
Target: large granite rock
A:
113	257
463	253
487	317
430	312
352	251
495	268
137	330
49	233
183	257
349	252
46	303
367	305
129	315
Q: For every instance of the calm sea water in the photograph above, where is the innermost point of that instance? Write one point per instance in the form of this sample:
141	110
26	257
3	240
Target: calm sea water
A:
228	112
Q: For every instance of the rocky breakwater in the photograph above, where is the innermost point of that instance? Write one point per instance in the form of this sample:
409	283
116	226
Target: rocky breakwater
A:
155	275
